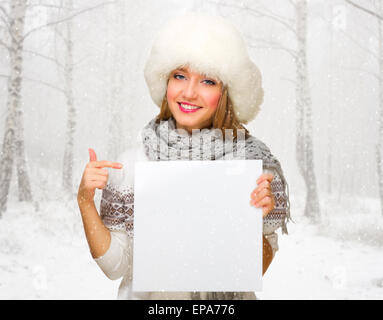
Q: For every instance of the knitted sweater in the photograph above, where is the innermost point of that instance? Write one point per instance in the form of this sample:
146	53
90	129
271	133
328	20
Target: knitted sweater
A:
117	213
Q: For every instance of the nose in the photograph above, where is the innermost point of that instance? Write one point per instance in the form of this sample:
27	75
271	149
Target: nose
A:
190	90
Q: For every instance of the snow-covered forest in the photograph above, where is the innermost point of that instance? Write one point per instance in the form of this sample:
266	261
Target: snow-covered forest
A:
71	78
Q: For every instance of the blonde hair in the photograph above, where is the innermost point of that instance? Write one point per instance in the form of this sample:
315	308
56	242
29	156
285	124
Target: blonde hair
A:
224	116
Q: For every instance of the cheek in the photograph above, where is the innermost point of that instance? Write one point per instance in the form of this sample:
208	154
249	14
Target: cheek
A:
172	91
212	100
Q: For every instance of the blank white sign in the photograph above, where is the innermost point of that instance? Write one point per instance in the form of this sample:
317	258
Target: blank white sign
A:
194	227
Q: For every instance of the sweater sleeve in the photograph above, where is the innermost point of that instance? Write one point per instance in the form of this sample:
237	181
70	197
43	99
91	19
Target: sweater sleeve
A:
276	217
117	261
117	207
116	212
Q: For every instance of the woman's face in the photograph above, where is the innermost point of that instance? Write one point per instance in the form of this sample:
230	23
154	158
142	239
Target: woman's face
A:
188	90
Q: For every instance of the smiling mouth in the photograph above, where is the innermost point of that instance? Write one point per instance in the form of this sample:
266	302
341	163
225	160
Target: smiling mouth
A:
188	108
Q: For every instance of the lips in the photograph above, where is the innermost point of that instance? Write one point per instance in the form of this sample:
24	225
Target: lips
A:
189	104
183	109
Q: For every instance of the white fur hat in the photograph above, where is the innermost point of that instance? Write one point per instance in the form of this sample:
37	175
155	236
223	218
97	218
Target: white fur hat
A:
210	45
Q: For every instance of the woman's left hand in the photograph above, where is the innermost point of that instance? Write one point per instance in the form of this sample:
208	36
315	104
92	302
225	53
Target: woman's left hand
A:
262	196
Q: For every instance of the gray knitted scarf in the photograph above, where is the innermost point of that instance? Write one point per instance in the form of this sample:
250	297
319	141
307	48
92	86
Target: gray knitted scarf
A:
163	141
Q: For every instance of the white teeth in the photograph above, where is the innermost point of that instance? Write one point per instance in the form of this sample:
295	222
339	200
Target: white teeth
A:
185	106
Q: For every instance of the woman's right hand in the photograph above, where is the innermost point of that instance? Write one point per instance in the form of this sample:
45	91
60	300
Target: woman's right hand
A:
94	176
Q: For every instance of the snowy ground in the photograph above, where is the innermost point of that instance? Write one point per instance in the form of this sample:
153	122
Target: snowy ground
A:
44	254
342	258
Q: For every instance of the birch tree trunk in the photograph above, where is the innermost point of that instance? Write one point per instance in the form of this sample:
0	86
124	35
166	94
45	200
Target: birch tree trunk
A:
67	177
13	141
377	13
379	150
305	152
117	56
18	9
330	108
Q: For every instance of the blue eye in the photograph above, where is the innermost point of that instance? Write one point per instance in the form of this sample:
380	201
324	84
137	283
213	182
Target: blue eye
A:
176	75
211	82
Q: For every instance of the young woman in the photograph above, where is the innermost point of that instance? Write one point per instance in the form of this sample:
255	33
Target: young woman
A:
200	75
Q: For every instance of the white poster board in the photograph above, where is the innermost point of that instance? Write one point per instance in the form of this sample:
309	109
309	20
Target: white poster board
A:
194	227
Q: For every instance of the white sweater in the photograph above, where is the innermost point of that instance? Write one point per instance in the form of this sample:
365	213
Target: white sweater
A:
117	262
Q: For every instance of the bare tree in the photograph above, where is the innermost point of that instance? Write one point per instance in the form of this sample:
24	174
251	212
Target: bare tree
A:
304	147
13	141
64	31
115	73
12	15
297	26
331	111
379	147
376	11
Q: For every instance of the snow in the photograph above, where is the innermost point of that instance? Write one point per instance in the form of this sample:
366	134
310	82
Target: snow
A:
341	258
44	254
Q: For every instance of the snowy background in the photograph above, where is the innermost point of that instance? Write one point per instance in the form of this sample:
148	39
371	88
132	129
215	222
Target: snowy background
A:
43	249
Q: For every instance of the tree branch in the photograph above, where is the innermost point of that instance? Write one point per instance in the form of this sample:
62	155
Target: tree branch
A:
2	43
373	54
67	18
45	84
289	80
372	74
376	15
4	12
6	19
288	22
37	81
285	22
44	56
6	22
269	44
52	6
360	46
293	3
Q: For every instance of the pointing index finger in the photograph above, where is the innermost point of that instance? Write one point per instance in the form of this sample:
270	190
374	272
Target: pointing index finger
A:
92	155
